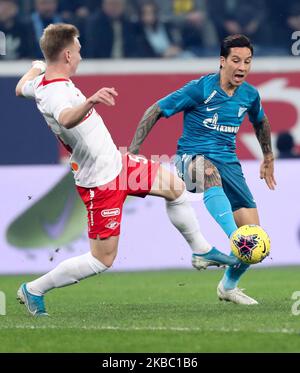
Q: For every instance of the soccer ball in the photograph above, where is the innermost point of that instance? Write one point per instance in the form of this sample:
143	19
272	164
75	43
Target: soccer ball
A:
250	243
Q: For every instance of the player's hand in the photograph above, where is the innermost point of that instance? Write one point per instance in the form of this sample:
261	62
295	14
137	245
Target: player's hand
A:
37	64
267	172
104	96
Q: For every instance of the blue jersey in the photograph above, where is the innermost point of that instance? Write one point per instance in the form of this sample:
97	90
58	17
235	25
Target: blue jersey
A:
211	117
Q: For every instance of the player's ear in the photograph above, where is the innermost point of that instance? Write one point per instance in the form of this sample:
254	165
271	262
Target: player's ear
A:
222	62
68	55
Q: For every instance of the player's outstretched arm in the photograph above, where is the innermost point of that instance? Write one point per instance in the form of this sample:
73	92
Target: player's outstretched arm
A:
37	68
71	117
263	134
150	117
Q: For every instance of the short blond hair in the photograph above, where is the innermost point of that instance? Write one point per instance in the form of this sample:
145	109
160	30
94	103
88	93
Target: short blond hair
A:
56	38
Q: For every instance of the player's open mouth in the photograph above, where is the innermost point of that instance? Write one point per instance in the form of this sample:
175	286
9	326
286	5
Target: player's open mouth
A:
238	77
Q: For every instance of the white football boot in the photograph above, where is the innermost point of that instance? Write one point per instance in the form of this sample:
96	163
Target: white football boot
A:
235	295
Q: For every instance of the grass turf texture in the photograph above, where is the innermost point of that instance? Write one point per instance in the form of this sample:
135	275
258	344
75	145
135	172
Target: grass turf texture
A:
168	311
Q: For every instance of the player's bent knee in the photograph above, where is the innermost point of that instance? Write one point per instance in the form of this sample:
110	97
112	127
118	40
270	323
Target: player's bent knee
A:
167	185
105	250
106	259
194	178
177	187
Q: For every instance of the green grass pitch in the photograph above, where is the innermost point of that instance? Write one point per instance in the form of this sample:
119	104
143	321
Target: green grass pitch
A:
163	311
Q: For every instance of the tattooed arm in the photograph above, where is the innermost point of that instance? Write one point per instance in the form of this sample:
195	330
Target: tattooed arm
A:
263	134
150	117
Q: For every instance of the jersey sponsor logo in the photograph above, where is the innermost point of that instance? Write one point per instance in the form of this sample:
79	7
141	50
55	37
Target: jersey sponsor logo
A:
112	225
241	111
208	121
211	96
212	123
213	108
110	212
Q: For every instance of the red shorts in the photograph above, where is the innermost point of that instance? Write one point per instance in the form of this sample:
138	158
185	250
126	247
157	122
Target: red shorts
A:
104	203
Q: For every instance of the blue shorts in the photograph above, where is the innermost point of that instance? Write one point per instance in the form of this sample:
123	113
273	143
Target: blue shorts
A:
233	181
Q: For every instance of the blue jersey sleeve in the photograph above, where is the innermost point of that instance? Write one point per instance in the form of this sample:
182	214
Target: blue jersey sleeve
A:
183	99
256	112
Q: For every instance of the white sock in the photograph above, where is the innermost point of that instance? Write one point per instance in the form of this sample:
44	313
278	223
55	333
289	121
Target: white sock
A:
66	273
183	217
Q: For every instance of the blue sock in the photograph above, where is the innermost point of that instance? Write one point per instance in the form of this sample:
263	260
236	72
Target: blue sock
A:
219	207
232	275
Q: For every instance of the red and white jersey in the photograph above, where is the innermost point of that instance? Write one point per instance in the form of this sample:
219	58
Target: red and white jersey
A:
95	158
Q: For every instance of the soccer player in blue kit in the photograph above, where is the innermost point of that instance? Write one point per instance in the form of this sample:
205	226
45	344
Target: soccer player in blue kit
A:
214	107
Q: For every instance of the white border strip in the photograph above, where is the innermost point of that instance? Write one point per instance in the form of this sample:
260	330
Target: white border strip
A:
153	329
134	66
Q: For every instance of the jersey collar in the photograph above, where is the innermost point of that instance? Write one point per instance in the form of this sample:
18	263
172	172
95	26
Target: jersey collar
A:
221	90
44	81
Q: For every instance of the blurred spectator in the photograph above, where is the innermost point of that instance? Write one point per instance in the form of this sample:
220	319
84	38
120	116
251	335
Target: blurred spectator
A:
291	24
75	8
293	19
177	10
109	32
285	146
282	17
24	7
156	38
199	35
45	12
194	26
18	34
242	17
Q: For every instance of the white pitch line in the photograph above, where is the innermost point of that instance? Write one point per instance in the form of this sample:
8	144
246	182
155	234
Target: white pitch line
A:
154	328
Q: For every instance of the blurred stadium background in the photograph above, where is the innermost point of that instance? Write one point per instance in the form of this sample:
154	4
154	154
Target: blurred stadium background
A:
42	220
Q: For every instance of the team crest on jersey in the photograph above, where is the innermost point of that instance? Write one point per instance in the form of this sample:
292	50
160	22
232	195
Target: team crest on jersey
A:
112	225
241	111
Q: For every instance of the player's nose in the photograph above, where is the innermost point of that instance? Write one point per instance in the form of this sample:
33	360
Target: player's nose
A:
242	66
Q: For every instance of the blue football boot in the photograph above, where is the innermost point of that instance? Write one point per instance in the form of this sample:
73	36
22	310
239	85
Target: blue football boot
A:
34	303
213	258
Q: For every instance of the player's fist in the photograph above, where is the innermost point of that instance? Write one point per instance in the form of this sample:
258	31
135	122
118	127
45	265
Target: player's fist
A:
104	96
37	64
